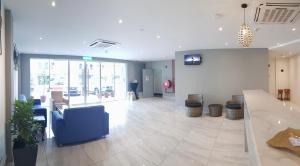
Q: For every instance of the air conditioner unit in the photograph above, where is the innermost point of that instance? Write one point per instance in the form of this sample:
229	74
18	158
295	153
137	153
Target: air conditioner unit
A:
277	11
100	43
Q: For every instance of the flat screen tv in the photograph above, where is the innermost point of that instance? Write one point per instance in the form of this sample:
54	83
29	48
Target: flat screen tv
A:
194	59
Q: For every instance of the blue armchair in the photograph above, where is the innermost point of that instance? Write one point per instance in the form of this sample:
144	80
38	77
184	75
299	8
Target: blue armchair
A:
37	108
80	124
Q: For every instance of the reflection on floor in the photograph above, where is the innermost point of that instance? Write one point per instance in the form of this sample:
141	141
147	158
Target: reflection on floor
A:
152	132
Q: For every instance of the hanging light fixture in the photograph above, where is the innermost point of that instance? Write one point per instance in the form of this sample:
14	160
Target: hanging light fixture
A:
245	34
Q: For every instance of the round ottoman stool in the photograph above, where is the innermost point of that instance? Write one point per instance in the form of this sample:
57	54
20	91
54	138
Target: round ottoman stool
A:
194	109
234	111
215	110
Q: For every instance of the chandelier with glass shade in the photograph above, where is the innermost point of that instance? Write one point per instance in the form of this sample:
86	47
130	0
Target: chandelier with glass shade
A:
245	35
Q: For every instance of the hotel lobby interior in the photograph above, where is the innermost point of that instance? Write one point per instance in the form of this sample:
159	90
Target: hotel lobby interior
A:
150	83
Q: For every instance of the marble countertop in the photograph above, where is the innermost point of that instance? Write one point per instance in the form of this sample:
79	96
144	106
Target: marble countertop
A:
268	116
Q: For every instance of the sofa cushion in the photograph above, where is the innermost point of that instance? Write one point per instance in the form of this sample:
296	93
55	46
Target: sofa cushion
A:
189	103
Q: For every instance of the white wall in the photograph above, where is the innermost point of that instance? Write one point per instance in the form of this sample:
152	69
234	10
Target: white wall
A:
282	78
277	78
272	74
223	72
2	95
294	78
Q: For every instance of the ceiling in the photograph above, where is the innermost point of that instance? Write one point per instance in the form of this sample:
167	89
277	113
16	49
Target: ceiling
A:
287	50
71	25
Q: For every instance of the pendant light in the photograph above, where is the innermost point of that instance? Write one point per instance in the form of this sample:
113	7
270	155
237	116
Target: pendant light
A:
245	35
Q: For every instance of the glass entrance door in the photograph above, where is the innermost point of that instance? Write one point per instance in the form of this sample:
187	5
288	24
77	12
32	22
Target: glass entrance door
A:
120	81
40	79
93	82
77	82
59	80
107	81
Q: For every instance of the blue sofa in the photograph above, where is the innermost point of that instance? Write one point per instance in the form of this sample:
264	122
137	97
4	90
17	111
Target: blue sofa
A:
80	124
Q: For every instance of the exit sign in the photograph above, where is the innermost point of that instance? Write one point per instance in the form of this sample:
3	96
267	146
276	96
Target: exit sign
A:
87	58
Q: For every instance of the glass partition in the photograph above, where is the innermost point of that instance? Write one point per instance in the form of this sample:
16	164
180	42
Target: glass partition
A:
78	81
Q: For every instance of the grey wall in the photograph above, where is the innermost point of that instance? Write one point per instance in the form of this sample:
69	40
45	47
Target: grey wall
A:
165	73
223	72
134	69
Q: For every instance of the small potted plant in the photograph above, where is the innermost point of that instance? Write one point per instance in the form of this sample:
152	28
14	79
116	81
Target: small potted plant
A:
24	133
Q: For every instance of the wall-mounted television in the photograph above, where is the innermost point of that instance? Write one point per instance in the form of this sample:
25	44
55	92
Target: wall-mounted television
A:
194	59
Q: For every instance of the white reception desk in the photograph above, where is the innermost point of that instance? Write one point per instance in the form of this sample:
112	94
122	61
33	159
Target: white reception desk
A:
264	117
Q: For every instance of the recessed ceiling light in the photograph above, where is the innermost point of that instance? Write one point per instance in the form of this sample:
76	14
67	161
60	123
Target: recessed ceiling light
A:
220	29
158	36
179	46
294	29
118	47
41	38
120	21
218	15
53	3
226	43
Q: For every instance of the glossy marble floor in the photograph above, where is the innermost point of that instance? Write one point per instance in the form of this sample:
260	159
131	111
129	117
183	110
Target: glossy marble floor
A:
153	132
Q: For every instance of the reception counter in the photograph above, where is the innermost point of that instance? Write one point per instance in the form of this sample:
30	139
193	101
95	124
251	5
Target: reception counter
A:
265	116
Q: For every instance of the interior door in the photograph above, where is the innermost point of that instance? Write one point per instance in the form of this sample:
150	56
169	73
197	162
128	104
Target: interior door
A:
157	81
148	83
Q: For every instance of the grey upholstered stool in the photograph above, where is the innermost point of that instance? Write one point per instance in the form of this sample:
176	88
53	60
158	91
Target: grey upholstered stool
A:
234	114
194	105
215	110
235	108
194	111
